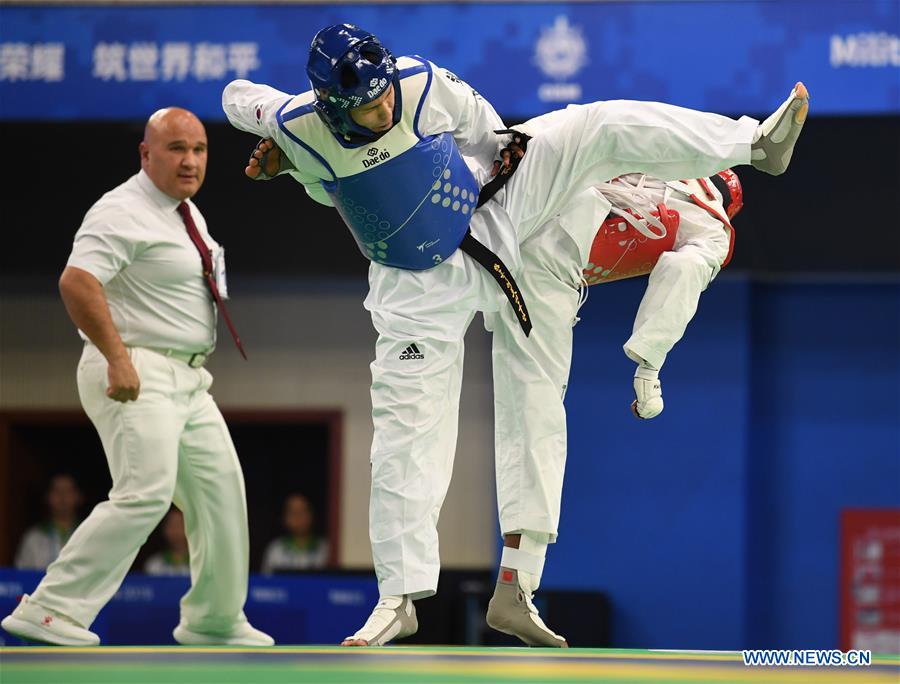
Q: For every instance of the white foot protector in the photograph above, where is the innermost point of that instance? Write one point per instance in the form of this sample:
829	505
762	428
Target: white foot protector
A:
34	622
775	138
243	634
511	611
394	617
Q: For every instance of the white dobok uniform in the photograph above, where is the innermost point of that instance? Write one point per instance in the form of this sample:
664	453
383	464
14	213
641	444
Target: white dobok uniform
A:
415	398
679	277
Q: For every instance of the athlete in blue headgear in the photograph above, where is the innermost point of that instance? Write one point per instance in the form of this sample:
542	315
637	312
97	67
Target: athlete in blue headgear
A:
349	68
403	149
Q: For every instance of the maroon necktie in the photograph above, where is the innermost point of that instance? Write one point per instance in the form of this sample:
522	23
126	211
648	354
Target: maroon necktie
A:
206	257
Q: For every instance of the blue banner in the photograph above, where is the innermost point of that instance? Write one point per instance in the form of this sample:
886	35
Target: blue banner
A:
123	62
294	609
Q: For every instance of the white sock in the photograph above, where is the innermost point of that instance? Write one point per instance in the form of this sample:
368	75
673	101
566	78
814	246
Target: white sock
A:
528	559
390	601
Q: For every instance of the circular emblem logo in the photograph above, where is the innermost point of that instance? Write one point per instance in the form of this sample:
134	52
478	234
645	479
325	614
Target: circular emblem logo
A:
561	50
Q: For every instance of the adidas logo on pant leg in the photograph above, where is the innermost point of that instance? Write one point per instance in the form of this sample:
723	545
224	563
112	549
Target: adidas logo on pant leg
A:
411	353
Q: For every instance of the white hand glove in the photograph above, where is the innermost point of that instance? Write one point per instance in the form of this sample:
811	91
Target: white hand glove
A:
648	392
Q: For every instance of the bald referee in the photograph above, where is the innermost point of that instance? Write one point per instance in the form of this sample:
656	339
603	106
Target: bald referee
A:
144	285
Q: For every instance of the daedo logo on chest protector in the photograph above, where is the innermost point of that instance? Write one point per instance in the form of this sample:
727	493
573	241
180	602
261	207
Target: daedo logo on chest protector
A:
375	156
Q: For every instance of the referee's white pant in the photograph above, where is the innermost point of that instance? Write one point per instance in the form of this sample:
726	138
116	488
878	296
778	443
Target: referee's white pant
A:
171	445
415	397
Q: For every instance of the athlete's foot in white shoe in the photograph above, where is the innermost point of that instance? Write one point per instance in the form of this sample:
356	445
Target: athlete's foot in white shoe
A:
32	621
394	617
775	137
512	612
243	634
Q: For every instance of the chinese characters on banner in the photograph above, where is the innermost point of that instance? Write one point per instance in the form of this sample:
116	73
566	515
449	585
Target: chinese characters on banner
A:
135	62
174	61
32	62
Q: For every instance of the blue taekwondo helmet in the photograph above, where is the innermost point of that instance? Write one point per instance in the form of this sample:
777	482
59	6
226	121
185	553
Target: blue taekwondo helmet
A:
349	67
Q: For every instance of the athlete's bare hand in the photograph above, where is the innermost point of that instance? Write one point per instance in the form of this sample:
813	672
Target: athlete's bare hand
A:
273	159
511	155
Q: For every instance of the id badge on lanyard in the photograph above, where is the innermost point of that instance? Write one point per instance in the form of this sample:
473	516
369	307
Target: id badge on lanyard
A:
219	270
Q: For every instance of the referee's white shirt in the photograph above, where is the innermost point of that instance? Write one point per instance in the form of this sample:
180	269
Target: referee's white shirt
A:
135	243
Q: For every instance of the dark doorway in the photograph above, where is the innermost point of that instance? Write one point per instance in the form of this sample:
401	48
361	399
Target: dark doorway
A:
282	452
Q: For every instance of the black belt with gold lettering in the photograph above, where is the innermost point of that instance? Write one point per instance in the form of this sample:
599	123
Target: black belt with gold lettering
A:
490	261
498	270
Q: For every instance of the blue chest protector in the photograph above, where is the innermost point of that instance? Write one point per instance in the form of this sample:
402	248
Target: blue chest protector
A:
406	197
410	211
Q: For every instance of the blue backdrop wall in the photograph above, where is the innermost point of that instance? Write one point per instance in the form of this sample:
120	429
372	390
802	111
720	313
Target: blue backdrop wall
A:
120	62
716	524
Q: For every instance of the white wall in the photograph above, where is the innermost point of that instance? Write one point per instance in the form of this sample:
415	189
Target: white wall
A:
309	347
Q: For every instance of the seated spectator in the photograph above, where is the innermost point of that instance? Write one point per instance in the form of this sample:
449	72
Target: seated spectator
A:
174	560
300	549
41	544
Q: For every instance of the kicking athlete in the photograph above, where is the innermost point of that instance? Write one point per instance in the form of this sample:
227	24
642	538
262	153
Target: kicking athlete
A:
404	151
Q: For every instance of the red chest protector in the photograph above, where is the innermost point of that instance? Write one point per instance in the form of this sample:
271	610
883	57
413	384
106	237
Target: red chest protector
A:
621	251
